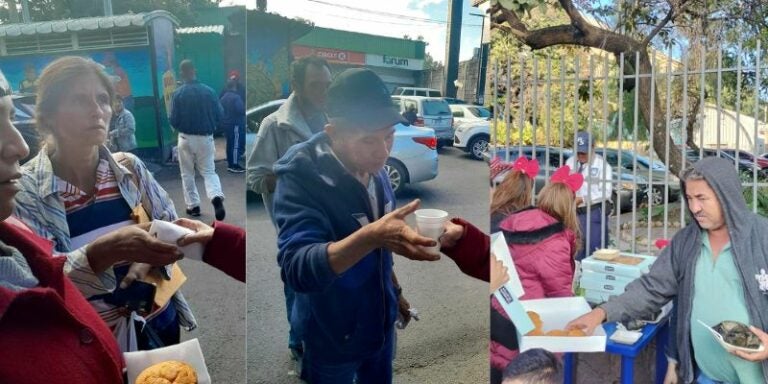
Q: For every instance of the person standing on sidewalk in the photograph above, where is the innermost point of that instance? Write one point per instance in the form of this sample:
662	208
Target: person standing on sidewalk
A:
592	195
122	128
301	116
234	125
195	113
339	230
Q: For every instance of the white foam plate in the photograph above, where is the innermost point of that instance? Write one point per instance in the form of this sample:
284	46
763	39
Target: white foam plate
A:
727	346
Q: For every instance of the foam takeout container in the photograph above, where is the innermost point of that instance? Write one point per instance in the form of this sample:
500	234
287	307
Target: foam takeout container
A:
728	346
188	352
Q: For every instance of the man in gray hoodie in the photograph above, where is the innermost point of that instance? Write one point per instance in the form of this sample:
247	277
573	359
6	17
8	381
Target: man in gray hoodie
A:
716	269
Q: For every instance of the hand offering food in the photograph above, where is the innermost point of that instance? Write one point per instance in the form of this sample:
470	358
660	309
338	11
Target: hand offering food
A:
539	325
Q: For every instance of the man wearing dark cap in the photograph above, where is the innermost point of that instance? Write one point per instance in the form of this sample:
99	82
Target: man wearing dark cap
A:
593	198
337	230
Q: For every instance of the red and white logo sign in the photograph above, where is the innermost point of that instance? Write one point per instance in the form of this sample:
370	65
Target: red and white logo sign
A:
329	54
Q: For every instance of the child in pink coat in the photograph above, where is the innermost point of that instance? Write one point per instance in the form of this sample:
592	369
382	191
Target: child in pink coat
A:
542	241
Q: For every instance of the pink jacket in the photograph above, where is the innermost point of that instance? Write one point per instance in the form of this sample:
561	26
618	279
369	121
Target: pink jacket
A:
542	250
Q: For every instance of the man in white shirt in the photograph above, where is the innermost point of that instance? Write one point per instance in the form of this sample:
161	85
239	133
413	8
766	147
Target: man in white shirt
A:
593	198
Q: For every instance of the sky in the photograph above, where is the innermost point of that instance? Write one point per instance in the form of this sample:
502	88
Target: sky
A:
393	18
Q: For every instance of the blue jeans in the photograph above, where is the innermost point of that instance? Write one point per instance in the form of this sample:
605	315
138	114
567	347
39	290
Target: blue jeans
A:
376	369
597	222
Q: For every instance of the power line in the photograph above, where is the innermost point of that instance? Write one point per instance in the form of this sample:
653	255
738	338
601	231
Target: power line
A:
388	14
388	22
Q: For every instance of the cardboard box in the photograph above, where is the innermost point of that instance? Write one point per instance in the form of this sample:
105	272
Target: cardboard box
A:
639	265
508	294
555	313
592	277
598	296
614	287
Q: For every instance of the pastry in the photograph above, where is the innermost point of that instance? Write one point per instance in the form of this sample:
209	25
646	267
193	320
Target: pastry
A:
168	372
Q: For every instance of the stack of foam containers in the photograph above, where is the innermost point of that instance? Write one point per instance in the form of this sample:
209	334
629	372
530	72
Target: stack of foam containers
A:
602	279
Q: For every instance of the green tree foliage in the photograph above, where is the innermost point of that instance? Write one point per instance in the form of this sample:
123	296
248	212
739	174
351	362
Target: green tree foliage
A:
632	29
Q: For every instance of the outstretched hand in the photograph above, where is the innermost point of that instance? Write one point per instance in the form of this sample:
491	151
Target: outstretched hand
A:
451	235
392	232
203	233
131	243
588	322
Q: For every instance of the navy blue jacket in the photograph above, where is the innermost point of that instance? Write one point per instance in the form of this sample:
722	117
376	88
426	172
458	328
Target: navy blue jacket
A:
317	202
195	109
234	109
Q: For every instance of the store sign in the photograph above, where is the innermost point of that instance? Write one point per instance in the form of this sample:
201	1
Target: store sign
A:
394	62
331	55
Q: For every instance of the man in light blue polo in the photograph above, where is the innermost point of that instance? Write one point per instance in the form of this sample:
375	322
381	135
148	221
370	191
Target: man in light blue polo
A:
715	268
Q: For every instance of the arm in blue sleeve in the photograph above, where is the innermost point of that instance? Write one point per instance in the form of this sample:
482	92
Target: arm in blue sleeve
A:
303	237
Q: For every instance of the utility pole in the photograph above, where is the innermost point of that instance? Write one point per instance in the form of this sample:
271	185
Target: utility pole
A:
482	62
452	47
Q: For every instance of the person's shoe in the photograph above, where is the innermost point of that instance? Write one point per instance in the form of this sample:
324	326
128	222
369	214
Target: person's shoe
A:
218	207
194	211
236	169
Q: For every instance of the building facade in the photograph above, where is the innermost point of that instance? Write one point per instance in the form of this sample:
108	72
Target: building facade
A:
399	62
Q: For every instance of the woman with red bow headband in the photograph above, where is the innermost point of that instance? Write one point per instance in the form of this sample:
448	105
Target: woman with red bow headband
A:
542	241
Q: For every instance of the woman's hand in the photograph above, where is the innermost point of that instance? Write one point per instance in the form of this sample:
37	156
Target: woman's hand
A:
499	275
131	243
203	232
451	235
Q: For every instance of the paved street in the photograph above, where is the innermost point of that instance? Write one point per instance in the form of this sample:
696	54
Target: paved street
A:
448	345
218	300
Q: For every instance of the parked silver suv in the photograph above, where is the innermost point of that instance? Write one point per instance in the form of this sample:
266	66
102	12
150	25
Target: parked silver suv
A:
430	112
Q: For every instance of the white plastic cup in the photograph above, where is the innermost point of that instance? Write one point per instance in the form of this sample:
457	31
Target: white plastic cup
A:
429	223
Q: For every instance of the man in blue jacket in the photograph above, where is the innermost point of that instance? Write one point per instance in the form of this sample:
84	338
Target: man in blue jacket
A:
195	113
337	230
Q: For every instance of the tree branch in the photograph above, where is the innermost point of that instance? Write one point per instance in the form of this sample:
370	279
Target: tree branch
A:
573	14
659	27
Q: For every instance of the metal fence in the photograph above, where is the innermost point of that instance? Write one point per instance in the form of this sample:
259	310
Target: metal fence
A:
541	101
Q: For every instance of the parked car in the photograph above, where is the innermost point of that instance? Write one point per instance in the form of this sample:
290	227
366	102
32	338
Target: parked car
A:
24	120
746	168
453	100
473	138
416	91
747	157
659	174
471	125
413	158
627	187
469	114
431	112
